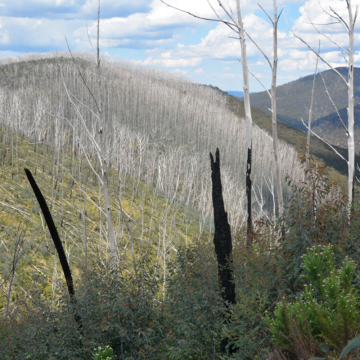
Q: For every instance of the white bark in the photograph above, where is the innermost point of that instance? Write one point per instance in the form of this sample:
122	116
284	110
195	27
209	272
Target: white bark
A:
274	114
351	142
310	114
350	86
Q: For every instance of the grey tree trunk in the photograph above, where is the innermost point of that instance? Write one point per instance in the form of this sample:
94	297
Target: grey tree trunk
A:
103	155
274	114
248	122
310	114
351	142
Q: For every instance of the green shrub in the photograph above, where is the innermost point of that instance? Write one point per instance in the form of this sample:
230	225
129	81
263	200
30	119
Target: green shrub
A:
105	353
194	306
327	310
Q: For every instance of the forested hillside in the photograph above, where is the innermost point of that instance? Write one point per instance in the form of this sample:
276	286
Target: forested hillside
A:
160	128
294	97
330	128
296	137
64	120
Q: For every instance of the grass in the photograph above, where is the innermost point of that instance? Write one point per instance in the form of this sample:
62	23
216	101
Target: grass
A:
149	213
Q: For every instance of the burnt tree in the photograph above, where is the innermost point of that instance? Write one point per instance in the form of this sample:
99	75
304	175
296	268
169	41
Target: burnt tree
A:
57	242
222	237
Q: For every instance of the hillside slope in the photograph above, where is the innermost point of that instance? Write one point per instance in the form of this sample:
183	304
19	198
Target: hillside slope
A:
150	215
293	98
159	128
297	138
329	128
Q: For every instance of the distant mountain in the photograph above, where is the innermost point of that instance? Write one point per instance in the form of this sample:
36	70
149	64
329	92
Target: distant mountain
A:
329	127
238	94
297	138
294	97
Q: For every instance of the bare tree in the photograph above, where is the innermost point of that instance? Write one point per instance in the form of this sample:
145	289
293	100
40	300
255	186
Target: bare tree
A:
100	147
348	54
160	129
310	114
18	251
237	26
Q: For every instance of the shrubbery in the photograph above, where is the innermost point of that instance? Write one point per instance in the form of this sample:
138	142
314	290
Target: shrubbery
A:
297	287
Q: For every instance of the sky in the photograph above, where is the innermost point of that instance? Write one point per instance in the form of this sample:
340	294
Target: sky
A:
150	33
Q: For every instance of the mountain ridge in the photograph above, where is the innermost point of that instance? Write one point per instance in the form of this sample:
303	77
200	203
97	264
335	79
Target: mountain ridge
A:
293	98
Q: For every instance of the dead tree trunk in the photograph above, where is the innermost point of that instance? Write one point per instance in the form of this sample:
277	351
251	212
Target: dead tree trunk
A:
222	239
57	242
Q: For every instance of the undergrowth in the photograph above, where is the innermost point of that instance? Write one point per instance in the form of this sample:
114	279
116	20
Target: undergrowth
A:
296	284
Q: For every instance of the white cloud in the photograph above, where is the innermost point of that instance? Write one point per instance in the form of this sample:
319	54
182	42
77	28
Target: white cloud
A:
179	72
167	62
226	68
199	71
230	76
312	11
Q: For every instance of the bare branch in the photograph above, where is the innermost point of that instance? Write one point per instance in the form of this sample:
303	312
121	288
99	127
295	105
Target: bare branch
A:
326	36
261	83
97	147
81	75
88	34
332	16
264	132
282	10
234	20
314	51
332	102
24	213
259	48
320	138
196	16
340	19
270	18
89	198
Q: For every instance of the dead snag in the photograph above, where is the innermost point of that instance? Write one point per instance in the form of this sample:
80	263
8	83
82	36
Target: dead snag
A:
222	238
57	242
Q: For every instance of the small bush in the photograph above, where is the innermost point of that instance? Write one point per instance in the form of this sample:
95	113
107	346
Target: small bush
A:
326	311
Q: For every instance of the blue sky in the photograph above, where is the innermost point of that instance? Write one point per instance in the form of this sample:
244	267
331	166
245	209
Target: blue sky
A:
151	34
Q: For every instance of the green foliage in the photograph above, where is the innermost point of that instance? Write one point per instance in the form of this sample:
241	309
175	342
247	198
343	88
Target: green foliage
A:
141	203
105	353
328	308
316	215
194	307
128	313
173	309
354	344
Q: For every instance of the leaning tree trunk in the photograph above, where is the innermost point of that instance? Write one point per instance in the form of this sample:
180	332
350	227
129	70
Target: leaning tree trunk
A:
222	239
57	242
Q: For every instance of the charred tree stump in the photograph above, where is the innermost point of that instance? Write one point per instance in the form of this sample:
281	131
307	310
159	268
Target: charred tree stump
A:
222	239
57	242
249	233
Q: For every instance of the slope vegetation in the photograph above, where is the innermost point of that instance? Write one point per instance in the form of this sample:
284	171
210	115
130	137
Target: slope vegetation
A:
74	196
159	128
293	98
329	128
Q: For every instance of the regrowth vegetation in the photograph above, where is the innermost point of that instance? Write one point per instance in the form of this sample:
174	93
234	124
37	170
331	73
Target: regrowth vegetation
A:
164	300
161	129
